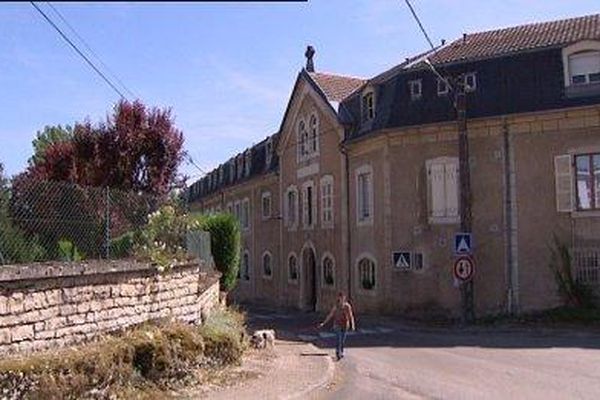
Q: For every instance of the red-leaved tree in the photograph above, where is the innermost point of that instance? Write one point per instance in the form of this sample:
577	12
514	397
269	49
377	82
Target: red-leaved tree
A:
137	148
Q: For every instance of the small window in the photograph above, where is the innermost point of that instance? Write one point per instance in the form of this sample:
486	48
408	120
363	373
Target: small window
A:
267	265
415	88
470	82
308	205
246	214
291	207
313	143
230	208
327	201
584	67
238	211
368	106
266	205
366	273
587	178
442	87
364	194
292	268
245	270
302	140
328	271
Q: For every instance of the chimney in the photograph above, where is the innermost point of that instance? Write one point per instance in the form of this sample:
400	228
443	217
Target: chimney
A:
310	52
443	42
464	38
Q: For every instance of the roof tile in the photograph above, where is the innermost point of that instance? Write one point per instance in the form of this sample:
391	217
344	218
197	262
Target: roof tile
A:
336	87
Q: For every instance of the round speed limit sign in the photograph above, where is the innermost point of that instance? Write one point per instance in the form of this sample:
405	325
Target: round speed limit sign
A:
464	268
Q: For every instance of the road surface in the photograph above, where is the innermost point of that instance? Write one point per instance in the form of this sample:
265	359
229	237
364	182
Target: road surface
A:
389	360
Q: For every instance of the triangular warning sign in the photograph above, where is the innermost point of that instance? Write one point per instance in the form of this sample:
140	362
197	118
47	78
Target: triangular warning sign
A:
463	246
402	261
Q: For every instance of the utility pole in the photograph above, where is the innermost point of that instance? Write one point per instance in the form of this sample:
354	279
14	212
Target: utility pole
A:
466	288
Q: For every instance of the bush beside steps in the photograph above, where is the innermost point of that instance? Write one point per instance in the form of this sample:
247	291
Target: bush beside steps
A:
142	363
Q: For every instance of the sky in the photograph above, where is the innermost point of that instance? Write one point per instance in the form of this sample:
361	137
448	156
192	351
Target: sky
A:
225	69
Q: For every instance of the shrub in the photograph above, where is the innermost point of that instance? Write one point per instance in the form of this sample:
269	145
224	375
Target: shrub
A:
122	246
68	251
225	243
573	293
162	240
223	335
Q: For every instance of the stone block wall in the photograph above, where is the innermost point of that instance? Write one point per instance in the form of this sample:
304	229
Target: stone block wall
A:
51	305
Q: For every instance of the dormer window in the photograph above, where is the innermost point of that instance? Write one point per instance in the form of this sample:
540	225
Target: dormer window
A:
240	166
470	82
368	106
269	152
584	67
442	87
415	88
247	163
581	67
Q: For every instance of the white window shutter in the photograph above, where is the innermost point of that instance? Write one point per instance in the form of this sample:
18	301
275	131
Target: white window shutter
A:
563	176
437	178
451	175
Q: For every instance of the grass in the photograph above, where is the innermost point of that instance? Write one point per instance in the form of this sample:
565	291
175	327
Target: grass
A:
141	363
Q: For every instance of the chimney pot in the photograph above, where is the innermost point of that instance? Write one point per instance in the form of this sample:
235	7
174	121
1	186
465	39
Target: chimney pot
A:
309	54
464	37
443	42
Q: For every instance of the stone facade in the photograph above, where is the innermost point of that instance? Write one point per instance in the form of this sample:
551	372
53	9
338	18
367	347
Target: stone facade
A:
391	156
47	305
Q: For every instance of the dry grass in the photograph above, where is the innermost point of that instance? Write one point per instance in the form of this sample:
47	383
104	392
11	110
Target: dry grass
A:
145	362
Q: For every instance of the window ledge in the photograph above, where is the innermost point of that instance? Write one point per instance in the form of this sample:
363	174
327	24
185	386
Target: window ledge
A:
583	90
585	214
365	222
444	220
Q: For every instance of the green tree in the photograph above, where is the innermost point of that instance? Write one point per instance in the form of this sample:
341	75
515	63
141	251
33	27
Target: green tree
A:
49	136
225	243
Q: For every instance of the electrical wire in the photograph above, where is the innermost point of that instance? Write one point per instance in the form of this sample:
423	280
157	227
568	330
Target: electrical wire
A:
89	49
81	54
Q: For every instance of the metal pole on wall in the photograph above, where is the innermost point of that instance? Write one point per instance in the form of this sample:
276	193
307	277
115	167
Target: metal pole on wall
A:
466	289
107	227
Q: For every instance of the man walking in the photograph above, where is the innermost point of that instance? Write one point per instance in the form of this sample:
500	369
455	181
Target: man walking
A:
343	319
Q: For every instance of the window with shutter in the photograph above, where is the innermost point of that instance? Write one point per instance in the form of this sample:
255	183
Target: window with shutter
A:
564	183
442	190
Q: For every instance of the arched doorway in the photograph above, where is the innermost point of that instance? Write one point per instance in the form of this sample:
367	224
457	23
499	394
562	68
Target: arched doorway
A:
309	278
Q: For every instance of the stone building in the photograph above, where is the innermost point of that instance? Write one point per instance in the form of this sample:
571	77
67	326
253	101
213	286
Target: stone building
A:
364	168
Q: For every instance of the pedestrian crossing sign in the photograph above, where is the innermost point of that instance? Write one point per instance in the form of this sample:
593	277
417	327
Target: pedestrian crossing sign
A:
463	243
402	259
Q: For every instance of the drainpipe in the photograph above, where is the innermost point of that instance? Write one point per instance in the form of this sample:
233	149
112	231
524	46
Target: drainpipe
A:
510	231
348	219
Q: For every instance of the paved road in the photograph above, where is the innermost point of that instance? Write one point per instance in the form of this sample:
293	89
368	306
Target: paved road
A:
388	360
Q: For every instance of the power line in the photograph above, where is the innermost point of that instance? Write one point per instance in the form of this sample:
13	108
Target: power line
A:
87	60
89	48
433	48
412	10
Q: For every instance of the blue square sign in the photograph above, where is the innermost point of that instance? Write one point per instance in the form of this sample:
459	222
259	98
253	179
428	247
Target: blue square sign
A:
463	243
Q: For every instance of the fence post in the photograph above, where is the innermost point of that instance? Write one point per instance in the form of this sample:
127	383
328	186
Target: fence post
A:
107	227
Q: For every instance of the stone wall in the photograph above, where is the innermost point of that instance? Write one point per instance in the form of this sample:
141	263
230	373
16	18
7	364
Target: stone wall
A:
52	305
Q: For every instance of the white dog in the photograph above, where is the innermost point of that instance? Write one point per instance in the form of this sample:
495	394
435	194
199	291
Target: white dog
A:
261	338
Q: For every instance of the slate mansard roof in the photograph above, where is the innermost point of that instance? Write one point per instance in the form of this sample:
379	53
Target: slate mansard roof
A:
234	170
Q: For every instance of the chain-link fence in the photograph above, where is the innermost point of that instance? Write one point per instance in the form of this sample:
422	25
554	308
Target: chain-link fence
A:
48	220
